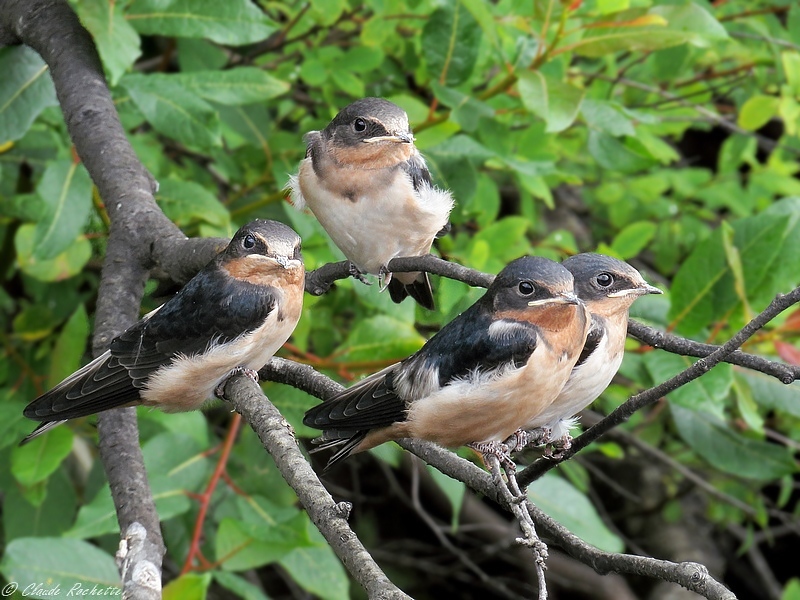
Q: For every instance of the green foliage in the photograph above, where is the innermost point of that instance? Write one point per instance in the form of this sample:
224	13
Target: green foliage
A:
560	127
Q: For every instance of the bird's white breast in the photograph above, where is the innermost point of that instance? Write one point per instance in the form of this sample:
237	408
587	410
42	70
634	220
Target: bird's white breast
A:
383	217
490	406
585	384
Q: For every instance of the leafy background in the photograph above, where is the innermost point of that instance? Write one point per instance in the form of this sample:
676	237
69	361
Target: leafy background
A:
665	133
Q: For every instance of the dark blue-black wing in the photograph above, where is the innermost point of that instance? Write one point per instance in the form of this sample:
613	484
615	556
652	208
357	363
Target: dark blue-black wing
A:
593	339
210	308
462	347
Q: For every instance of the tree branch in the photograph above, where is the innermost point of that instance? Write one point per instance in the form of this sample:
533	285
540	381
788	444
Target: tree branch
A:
320	280
678	345
278	439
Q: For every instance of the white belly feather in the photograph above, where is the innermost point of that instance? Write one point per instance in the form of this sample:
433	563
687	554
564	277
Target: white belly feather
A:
189	381
374	228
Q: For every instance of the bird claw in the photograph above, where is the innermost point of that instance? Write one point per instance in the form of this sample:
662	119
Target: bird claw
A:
558	448
384	277
219	391
356	274
497	449
541	436
518	440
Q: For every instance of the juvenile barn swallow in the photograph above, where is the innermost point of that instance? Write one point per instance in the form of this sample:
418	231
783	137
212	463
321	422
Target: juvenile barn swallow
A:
608	287
231	317
476	382
369	187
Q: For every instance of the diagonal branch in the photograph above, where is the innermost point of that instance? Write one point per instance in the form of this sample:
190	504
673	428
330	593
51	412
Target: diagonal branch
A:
278	439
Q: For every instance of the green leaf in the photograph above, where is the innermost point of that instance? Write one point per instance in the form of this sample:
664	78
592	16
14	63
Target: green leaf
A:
633	239
25	91
200	55
791	67
177	465
117	42
467	110
757	111
186	202
659	27
381	338
66	193
52	516
317	569
60	564
792	590
96	518
559	499
607	116
505	239
239	586
551	99
174	110
191	586
450	42
713	440
241	546
454	491
69	348
771	394
483	15
65	265
611	153
708	393
703	288
233	87
39	458
233	22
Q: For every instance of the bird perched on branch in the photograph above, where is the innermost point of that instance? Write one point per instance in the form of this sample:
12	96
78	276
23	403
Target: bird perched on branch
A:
369	187
231	317
486	374
608	287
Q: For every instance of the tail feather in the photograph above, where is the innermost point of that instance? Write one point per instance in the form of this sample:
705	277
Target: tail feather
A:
40	429
345	451
420	290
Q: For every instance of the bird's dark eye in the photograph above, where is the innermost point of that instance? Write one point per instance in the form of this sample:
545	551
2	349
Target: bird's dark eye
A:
359	124
605	279
249	241
525	288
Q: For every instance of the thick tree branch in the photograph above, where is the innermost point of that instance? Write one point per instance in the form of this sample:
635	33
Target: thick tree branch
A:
623	412
690	575
330	518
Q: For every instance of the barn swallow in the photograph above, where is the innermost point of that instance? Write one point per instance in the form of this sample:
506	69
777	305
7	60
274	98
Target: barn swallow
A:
608	287
231	317
477	381
369	187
